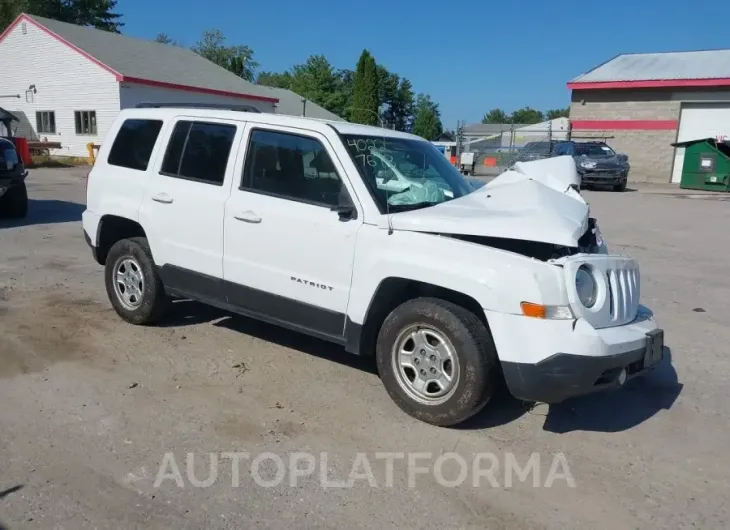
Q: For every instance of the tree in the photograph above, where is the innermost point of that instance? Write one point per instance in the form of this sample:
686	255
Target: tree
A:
318	81
427	122
496	116
96	13
347	85
365	102
273	79
237	59
9	11
396	99
402	109
527	115
164	38
557	113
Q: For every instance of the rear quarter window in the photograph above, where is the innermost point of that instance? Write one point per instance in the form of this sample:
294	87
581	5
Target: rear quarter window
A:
134	143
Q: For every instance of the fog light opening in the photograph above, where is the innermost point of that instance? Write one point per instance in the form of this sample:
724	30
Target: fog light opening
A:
622	376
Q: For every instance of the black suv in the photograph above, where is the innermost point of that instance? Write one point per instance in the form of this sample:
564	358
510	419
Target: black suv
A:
13	193
597	163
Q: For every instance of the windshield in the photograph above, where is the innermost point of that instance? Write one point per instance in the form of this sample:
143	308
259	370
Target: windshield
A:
593	150
408	174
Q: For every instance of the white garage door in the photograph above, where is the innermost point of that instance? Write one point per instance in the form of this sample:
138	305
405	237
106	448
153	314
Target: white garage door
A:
700	120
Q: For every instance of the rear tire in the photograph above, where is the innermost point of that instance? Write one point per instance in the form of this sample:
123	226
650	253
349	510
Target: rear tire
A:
443	337
14	204
133	285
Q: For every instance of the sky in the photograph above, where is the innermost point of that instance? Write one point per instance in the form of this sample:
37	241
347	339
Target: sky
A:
469	56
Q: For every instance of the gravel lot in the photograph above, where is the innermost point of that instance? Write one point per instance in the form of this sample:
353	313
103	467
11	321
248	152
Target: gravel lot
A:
89	405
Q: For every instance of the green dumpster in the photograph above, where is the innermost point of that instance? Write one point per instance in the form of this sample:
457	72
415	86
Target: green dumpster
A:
706	165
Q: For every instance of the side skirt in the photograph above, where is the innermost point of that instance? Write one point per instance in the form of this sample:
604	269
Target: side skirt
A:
260	305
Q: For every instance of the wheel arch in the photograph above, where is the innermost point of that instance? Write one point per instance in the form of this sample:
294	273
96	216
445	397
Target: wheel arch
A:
389	294
113	228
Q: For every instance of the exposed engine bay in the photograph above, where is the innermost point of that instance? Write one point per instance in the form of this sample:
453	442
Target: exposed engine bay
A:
589	243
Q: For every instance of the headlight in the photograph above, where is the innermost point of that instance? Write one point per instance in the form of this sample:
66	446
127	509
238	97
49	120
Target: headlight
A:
585	285
588	164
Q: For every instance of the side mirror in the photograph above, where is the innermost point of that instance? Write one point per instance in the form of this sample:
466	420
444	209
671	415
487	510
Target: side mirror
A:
622	157
345	210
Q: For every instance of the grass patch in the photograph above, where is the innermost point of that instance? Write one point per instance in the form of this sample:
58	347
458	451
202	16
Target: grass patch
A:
47	161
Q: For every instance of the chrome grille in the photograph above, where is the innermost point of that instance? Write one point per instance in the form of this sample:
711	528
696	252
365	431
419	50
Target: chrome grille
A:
623	287
619	288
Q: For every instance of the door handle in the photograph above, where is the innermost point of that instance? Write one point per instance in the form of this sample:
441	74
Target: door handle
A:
248	217
164	198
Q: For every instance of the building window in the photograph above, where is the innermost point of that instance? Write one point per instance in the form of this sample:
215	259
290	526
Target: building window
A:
133	146
199	151
45	122
85	122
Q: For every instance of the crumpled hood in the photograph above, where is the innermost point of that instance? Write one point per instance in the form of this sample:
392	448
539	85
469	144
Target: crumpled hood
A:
535	201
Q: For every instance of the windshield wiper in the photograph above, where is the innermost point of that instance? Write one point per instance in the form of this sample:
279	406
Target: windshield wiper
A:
414	206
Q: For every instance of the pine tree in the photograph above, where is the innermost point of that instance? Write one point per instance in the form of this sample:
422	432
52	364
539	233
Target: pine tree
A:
427	122
365	101
97	13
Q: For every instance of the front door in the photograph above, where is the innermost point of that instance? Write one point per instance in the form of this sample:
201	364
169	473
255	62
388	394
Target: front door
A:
287	254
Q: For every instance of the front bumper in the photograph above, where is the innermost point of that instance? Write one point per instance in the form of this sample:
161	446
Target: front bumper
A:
607	178
552	360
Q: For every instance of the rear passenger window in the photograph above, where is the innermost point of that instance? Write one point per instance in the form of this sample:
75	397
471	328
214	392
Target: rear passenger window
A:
134	143
199	151
291	167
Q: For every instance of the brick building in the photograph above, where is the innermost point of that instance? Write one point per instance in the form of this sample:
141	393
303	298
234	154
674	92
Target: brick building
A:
643	103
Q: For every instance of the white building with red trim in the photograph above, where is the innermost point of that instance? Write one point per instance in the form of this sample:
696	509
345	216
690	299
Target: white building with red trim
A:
66	83
643	103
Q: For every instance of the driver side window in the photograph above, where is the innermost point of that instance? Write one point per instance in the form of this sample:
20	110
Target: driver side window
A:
291	167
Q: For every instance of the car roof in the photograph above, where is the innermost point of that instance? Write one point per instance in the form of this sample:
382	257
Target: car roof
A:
316	124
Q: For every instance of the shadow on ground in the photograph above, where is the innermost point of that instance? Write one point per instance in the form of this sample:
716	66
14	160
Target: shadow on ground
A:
622	409
10	491
608	411
188	313
51	211
600	189
6	493
50	164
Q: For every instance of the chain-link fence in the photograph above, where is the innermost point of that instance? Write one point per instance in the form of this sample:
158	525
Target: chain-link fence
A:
498	146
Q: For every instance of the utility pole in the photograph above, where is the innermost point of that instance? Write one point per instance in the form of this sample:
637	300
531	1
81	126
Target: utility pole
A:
459	137
550	136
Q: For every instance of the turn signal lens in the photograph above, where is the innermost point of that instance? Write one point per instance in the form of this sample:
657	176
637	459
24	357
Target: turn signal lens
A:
533	310
550	312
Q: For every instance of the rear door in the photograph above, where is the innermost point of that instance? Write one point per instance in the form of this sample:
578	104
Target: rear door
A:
186	197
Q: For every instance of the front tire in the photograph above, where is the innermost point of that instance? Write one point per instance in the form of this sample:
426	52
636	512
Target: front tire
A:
14	204
437	361
133	285
621	187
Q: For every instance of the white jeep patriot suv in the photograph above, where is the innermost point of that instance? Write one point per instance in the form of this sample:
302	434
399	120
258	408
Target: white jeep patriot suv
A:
291	221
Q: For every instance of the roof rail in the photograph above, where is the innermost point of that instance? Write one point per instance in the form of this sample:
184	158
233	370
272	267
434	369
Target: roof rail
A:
218	106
